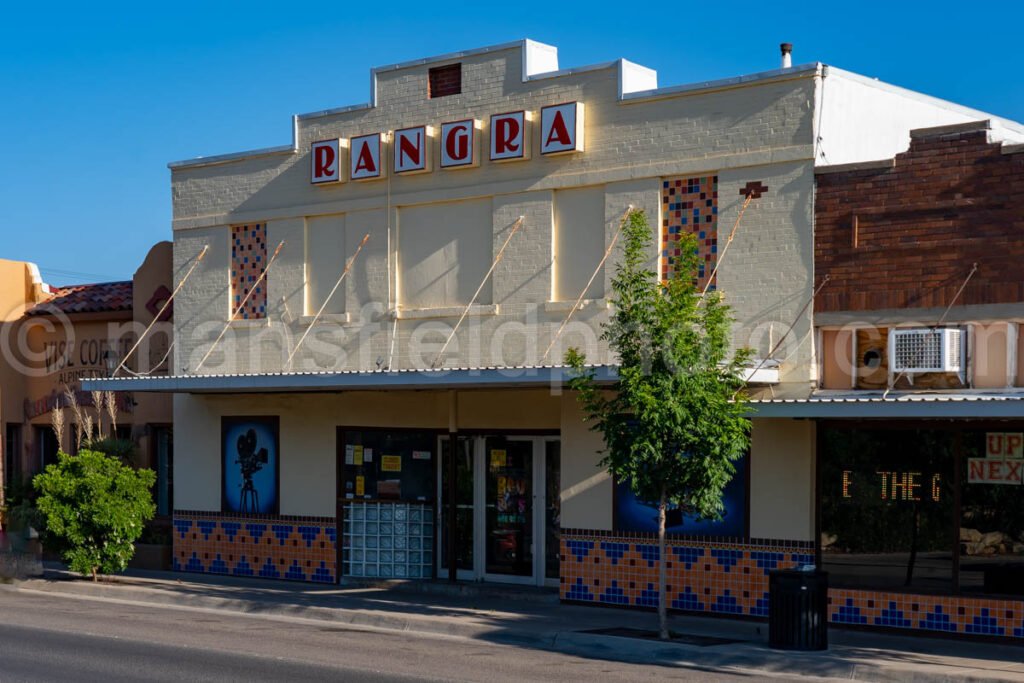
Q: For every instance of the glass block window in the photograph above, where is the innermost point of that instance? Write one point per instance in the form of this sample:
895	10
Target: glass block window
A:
690	205
389	540
248	261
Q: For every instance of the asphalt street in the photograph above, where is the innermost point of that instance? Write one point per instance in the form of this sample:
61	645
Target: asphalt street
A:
58	638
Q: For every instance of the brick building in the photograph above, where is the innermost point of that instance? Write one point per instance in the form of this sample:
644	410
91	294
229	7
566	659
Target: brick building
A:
362	352
919	408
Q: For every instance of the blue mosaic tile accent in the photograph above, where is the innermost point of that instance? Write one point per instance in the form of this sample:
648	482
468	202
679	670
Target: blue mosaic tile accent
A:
219	566
322	574
282	532
687	555
183	526
799	559
269	571
578	591
206	528
1018	632
688	600
579	548
726	557
648	597
614	595
760	608
614	551
295	572
985	625
727	604
243	568
230	530
649	553
849	614
892	617
256	530
194	565
937	621
767	561
309	534
332	534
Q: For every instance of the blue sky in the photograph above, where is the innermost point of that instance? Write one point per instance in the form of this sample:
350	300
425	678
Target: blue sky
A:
96	98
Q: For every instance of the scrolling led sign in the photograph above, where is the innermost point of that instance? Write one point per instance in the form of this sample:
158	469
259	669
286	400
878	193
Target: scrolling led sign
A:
896	486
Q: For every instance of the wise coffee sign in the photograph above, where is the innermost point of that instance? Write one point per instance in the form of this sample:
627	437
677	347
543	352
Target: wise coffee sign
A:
412	150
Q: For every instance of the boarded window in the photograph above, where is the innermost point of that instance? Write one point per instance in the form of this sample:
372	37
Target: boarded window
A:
579	243
444	80
444	252
690	205
325	260
248	261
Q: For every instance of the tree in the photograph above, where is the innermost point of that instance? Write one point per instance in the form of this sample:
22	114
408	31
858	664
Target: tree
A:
675	421
95	508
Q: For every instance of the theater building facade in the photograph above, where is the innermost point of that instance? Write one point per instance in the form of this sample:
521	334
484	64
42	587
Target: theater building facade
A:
367	377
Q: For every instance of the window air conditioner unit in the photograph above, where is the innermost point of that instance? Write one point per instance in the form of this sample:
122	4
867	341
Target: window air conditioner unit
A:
926	349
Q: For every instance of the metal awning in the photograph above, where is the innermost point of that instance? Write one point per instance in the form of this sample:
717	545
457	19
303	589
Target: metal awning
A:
348	380
351	380
895	405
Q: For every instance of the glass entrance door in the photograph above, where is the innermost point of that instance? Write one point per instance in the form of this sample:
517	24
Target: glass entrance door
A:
507	508
509	496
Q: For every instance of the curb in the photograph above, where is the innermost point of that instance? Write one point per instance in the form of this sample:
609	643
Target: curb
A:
737	658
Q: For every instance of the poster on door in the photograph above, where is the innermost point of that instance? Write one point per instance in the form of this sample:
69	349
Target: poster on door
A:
512	494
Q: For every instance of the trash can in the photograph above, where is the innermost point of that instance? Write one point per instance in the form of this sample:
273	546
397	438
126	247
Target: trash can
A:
798	609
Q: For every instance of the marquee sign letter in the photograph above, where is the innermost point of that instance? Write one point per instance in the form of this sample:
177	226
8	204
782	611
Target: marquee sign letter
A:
561	128
326	161
510	137
365	157
459	144
412	150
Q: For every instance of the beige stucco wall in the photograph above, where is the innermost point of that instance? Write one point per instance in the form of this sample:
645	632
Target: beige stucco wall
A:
782	479
586	486
308	424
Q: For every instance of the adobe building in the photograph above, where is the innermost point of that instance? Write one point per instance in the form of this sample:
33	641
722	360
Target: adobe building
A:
54	337
369	344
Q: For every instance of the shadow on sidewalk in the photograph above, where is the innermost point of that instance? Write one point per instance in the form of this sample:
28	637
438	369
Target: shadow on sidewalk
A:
534	618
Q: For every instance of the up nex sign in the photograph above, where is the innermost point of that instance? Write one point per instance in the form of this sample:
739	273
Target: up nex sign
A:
412	149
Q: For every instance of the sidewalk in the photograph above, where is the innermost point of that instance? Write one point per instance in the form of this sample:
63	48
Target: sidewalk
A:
528	618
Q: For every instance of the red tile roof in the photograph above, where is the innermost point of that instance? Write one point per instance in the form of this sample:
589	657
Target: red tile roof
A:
95	298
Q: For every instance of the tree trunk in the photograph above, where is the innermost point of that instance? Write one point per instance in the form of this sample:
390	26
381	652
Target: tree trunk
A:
662	571
95	575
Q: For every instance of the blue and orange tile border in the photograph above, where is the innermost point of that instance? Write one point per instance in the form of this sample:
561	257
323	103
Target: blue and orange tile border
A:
271	547
728	576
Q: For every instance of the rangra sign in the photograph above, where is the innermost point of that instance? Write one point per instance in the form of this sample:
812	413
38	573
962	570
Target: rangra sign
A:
561	132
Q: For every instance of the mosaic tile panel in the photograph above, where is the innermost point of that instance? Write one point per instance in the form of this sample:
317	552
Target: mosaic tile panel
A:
941	613
690	206
723	578
732	578
291	548
248	260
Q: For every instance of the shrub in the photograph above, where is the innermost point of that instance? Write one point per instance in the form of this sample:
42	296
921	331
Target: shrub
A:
95	508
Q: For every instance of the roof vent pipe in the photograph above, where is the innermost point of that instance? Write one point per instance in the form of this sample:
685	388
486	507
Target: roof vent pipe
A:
787	51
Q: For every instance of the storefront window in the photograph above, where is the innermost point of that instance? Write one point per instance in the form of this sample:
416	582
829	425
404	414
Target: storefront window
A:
887	508
992	513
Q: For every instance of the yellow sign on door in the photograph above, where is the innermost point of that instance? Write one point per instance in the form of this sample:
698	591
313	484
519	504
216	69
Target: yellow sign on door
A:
391	463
